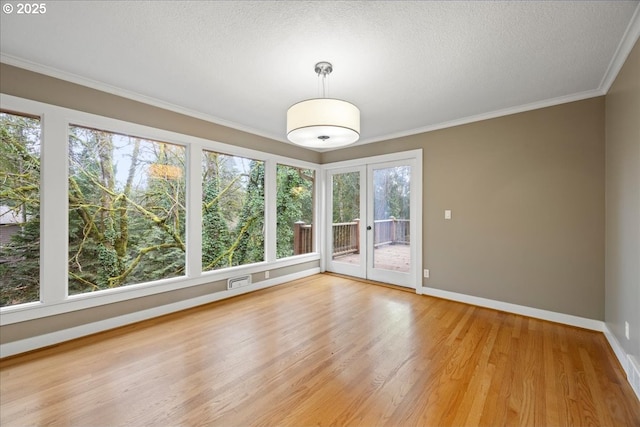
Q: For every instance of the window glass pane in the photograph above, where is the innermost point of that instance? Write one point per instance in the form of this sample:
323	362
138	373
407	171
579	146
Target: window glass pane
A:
294	210
19	209
345	233
126	210
232	211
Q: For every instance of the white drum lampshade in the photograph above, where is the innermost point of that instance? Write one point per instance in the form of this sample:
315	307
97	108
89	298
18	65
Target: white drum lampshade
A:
323	123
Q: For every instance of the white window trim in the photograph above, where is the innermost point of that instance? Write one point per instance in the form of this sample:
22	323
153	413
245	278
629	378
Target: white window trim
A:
54	298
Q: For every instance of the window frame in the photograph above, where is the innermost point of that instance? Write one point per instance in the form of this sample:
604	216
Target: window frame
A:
265	200
54	297
146	139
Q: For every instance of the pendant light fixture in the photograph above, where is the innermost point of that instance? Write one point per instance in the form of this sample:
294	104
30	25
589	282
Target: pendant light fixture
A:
323	122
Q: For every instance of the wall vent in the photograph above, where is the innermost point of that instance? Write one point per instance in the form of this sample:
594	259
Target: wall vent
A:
238	282
634	374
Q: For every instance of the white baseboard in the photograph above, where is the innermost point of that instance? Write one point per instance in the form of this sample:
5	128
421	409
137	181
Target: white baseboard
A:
537	313
40	341
621	355
633	374
628	362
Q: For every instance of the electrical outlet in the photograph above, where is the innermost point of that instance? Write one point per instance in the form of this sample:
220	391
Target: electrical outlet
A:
266	274
426	273
626	330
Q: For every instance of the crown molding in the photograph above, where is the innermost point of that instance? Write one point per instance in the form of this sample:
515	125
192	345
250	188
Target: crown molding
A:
134	96
628	41
490	115
83	81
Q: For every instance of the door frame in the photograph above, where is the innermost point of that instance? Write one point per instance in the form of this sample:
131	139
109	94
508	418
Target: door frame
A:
359	270
412	158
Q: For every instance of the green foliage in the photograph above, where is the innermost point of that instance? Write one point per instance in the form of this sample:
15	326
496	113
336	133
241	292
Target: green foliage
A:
108	261
20	269
233	211
250	228
346	197
125	226
294	204
215	230
19	209
127	209
391	192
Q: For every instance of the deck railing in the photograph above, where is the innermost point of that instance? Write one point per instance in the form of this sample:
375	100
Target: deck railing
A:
346	236
302	238
391	231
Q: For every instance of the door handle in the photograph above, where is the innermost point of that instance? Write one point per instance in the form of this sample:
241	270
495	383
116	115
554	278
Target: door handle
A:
368	227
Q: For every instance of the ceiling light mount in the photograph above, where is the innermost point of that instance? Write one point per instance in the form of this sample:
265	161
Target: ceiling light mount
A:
324	68
323	122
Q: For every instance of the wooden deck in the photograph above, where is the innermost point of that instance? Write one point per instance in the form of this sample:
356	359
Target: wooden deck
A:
387	257
324	351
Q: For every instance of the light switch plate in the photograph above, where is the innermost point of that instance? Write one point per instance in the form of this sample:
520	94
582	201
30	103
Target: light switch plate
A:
447	214
626	330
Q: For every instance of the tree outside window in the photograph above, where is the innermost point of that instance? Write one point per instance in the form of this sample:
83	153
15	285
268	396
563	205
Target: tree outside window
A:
126	210
19	209
232	211
294	226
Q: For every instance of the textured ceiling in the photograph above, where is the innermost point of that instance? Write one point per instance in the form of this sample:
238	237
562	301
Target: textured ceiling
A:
409	66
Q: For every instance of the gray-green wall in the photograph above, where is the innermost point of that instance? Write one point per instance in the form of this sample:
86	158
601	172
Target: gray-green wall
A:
27	84
527	198
622	283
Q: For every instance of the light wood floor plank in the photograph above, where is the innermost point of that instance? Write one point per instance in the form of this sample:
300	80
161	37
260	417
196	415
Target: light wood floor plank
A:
324	350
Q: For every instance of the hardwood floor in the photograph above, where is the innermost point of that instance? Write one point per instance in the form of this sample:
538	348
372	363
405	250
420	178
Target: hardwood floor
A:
324	350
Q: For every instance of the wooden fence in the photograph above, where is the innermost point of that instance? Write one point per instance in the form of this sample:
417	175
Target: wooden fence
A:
302	238
391	231
346	238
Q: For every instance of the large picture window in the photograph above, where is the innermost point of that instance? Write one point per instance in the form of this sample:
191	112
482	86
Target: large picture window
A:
97	211
294	229
126	210
232	211
19	209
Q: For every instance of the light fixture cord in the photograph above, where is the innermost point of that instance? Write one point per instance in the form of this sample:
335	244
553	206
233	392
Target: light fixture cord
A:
325	85
323	82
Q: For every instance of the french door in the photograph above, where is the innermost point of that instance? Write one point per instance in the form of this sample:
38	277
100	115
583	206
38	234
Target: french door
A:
371	219
347	221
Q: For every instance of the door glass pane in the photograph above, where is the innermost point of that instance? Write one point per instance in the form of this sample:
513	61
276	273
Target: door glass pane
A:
391	195
346	218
